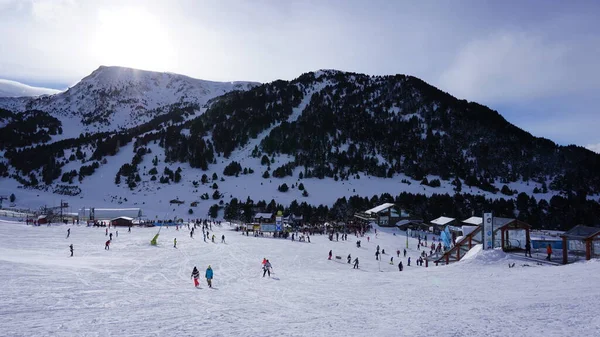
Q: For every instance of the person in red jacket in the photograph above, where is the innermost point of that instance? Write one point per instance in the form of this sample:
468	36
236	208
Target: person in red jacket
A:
549	251
107	245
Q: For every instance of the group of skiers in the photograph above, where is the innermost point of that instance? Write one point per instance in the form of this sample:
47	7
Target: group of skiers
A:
378	253
208	275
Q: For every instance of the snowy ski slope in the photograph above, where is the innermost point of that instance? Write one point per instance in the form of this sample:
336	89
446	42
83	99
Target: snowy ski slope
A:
136	289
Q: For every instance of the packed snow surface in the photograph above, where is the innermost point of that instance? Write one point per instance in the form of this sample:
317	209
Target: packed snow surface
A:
135	289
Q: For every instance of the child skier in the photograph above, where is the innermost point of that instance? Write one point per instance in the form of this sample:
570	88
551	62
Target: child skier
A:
213	238
209	276
267	268
195	276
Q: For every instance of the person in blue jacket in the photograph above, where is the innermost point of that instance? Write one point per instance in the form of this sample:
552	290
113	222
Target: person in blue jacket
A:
209	276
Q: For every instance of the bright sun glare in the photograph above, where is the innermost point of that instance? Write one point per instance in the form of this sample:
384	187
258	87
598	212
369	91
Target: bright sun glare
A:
132	37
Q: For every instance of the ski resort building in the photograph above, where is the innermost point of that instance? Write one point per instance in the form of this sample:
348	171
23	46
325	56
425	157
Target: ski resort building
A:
441	222
108	213
293	220
385	215
473	221
264	218
579	241
407	224
501	229
122	221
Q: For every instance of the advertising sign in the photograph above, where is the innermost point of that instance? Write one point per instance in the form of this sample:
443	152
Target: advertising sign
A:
488	231
267	228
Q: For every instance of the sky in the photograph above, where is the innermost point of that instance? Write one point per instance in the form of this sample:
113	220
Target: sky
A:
535	62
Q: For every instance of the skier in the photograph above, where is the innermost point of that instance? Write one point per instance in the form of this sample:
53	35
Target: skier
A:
400	267
110	237
292	237
383	251
330	253
404	252
223	238
377	255
408	264
349	258
308	238
213	238
549	251
398	253
71	249
107	245
378	248
392	260
355	264
195	276
267	268
106	233
209	276
129	230
117	233
68	232
528	248
175	243
192	234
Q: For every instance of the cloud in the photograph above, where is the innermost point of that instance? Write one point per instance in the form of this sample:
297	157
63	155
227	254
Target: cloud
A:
513	66
593	147
52	10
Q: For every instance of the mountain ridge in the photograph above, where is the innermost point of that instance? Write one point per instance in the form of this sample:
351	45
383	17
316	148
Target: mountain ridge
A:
348	132
113	98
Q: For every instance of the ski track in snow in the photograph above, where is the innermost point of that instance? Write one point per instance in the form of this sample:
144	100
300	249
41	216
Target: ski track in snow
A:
136	289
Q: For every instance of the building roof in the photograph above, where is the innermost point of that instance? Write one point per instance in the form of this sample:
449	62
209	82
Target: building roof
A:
442	220
581	232
499	222
406	223
263	215
474	220
379	208
122	217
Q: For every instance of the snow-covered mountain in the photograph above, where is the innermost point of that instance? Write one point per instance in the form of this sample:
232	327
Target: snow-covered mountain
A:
10	88
112	98
323	136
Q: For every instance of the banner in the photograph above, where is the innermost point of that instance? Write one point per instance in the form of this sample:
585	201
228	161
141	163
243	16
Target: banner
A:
488	231
267	228
278	221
